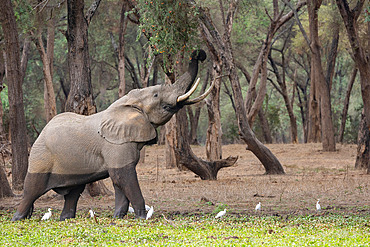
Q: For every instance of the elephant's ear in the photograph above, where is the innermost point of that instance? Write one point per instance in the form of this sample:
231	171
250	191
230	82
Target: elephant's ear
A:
126	124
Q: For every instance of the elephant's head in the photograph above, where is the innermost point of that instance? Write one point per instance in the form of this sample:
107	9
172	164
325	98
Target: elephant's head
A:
135	116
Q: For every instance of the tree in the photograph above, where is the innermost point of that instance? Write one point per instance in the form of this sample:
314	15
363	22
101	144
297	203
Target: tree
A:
346	104
363	145
80	97
5	190
47	57
220	46
282	89
318	82
360	56
15	94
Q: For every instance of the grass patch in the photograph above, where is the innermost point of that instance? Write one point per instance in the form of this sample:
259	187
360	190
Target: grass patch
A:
193	230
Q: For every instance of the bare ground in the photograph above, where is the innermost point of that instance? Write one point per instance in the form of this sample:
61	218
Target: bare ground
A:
311	174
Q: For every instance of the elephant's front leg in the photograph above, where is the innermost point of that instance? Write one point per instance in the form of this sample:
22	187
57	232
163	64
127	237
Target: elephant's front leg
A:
125	179
121	203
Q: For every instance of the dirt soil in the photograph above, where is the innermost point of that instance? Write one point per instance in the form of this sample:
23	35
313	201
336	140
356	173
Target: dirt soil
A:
311	174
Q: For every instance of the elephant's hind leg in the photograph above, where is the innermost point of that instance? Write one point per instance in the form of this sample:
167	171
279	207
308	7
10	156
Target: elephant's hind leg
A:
70	202
34	187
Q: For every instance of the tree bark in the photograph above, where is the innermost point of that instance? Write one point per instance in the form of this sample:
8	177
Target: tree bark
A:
206	170
363	145
346	104
265	126
47	60
15	94
5	190
121	51
2	75
214	132
80	98
318	79
288	103
194	116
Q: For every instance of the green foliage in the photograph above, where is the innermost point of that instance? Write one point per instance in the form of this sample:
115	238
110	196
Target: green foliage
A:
169	25
230	230
24	15
367	14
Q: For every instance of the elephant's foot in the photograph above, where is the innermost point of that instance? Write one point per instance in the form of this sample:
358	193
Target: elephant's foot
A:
119	215
64	217
18	216
140	214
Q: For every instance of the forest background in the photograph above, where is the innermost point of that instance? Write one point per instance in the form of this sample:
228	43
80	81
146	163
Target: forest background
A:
272	46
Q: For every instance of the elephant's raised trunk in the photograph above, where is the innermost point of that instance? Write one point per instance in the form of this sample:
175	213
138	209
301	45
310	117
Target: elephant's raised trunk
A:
186	80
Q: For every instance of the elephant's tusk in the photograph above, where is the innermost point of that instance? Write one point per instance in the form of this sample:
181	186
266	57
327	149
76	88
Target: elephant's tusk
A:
201	97
190	92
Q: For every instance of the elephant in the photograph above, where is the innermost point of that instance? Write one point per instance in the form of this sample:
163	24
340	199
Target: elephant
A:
73	150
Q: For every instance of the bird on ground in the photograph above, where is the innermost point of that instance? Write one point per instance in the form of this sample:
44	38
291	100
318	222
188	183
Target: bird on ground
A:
131	209
258	207
150	212
221	213
47	215
318	207
92	213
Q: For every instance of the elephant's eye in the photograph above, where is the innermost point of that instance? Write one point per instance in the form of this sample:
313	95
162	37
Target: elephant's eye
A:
155	95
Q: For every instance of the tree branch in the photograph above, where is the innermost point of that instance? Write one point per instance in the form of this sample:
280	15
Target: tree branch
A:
91	11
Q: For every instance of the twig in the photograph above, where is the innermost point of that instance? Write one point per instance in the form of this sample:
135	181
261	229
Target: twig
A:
169	221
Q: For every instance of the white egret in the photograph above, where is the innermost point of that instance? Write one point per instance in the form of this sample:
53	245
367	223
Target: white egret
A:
318	207
92	213
258	207
221	213
47	215
131	210
150	212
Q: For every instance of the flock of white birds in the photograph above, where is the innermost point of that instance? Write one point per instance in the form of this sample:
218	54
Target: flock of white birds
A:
151	211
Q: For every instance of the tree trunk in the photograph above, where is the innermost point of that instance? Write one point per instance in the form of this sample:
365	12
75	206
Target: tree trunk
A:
194	117
265	126
346	104
206	170
214	132
121	51
2	75
15	94
318	79
49	95
171	143
363	145
288	103
5	190
80	98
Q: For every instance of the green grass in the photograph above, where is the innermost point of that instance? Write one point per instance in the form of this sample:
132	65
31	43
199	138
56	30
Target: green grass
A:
199	230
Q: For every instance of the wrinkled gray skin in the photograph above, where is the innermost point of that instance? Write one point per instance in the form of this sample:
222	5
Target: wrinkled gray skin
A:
73	150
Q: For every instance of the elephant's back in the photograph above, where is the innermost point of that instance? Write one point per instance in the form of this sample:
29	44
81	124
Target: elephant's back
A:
66	143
